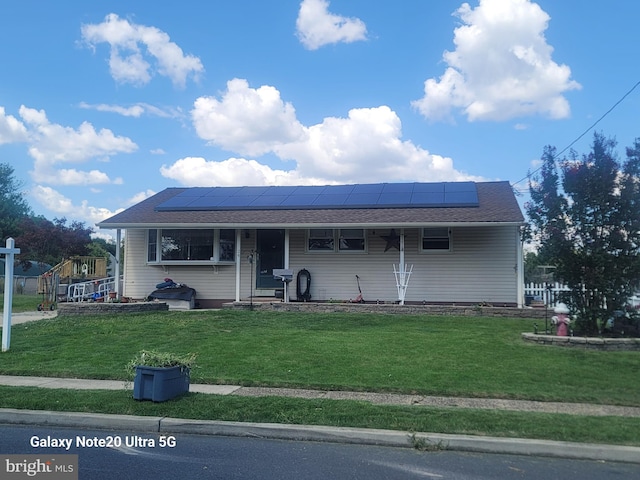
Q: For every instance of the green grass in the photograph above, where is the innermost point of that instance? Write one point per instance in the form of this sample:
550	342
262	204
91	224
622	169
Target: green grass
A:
458	356
478	357
606	430
23	303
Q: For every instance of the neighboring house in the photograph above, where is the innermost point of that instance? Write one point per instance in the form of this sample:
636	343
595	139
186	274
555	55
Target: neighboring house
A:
461	241
30	268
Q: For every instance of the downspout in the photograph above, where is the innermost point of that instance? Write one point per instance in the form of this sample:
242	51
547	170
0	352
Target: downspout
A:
286	264
238	261
117	272
519	269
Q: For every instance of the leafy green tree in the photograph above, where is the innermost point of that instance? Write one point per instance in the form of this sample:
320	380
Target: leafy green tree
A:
13	205
586	222
99	247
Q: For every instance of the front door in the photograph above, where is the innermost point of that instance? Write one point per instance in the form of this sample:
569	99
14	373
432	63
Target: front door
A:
270	246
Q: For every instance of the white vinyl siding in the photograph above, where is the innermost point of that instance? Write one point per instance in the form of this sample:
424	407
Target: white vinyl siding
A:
480	268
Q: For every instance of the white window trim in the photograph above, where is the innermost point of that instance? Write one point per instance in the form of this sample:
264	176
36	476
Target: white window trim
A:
336	243
428	251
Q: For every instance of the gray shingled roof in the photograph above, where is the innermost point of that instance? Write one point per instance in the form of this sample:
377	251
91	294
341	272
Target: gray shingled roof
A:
497	204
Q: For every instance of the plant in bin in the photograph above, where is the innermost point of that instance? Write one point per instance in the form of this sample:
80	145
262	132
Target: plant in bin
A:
159	376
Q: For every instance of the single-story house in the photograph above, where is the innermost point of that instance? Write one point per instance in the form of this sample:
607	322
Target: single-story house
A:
455	242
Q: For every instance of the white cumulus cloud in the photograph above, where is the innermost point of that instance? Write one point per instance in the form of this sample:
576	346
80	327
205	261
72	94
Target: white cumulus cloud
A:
246	120
501	67
51	145
64	207
366	146
199	172
138	52
317	27
11	129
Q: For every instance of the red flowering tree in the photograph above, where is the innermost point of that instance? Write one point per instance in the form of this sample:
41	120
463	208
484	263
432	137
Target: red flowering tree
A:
51	242
586	221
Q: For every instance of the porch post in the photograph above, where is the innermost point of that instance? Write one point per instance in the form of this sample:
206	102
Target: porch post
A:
238	261
286	263
401	250
117	272
519	269
401	267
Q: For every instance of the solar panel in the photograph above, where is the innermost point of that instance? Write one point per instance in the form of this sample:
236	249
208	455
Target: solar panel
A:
428	187
428	198
390	199
337	190
368	188
376	195
268	200
398	187
298	200
369	199
207	201
460	187
330	200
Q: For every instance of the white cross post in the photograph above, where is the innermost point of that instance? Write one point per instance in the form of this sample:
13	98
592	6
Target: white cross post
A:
9	253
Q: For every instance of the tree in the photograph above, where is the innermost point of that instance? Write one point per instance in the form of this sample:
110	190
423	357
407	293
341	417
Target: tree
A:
590	227
99	247
13	206
50	242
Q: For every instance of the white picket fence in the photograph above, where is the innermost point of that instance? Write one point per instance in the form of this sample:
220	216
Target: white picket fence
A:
547	292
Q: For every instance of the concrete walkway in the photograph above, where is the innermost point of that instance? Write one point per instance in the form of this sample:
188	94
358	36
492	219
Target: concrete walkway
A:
371	397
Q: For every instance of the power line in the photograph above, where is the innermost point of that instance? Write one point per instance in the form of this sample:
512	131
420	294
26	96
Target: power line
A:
583	133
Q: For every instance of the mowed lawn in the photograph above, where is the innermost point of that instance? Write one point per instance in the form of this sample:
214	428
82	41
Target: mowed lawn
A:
458	356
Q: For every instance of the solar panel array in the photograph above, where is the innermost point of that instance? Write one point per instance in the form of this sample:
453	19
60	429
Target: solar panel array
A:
378	195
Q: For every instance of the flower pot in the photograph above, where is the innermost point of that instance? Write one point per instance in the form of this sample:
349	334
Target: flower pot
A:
160	384
112	295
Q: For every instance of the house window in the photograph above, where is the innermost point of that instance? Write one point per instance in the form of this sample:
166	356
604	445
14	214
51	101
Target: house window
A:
190	245
152	246
179	244
320	240
227	245
436	239
342	240
351	239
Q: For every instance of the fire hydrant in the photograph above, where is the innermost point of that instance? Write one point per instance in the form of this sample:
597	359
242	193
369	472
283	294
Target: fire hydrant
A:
561	319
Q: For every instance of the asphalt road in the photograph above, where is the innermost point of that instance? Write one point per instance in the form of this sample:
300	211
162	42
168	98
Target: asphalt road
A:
139	456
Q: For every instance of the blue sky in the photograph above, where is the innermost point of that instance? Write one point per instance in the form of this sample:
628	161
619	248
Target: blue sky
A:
105	103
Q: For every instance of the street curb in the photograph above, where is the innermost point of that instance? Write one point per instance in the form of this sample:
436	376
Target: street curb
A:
389	438
100	421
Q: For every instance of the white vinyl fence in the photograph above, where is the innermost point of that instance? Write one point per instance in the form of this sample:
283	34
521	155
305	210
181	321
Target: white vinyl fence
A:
549	293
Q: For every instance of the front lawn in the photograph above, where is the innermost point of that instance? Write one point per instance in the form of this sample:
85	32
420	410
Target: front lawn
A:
457	356
23	303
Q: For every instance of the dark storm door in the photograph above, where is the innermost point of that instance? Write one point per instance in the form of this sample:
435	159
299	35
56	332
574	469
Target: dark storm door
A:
270	246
